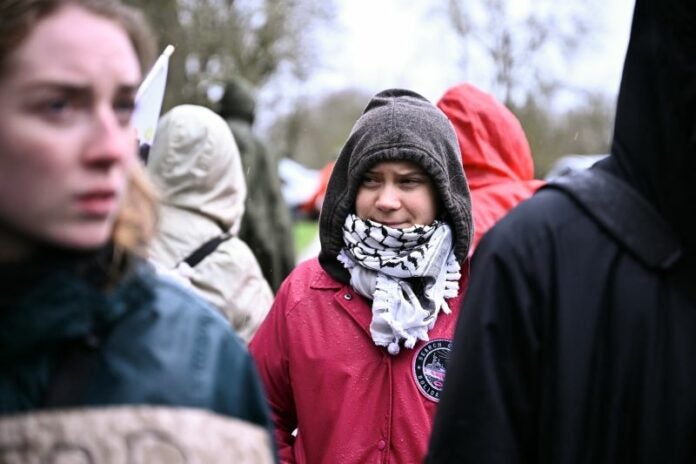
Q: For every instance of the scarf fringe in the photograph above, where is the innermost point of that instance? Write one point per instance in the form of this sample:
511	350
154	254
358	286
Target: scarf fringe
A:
378	272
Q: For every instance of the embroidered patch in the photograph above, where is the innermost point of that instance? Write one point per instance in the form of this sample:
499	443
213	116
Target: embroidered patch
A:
429	367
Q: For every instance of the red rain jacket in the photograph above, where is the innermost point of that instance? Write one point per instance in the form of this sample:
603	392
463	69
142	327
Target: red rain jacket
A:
315	353
495	153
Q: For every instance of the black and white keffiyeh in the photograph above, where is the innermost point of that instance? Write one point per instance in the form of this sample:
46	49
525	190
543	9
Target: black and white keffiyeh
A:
408	274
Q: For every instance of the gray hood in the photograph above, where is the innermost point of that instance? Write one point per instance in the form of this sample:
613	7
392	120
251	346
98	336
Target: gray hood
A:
397	124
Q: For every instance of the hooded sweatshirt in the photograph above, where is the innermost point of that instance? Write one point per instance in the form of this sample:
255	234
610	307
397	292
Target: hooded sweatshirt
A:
351	401
196	166
495	153
576	341
396	125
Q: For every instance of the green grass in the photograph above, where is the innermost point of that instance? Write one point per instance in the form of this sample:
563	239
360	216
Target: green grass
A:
303	232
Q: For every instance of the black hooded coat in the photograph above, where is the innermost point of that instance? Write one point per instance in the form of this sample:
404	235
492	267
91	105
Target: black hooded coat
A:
577	338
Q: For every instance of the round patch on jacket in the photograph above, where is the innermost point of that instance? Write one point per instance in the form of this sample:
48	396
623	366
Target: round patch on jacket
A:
429	367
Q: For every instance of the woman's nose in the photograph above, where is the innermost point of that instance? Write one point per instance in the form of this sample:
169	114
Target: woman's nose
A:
388	198
110	141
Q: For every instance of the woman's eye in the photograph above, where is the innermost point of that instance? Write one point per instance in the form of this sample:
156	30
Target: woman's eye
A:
59	109
124	110
56	105
412	181
369	182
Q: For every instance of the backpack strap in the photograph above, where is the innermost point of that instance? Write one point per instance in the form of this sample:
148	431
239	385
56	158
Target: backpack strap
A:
624	214
200	253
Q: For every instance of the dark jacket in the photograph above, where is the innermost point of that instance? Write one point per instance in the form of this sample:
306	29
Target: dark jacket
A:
147	341
576	339
266	225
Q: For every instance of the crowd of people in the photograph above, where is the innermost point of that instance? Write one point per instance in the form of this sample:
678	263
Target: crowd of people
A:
459	310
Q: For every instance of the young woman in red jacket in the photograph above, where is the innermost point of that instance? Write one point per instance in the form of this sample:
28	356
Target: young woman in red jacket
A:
354	350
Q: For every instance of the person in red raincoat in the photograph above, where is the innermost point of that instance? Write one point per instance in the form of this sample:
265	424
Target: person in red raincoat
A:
495	153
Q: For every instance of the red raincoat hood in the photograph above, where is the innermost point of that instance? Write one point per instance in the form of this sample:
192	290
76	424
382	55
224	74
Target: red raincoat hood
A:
495	153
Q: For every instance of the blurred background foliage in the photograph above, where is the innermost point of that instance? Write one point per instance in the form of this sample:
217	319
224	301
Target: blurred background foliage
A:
273	43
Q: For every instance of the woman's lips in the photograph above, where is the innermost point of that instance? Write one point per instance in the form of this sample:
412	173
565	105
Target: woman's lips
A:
98	203
393	225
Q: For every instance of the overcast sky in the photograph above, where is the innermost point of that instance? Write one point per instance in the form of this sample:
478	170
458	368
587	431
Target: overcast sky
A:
376	44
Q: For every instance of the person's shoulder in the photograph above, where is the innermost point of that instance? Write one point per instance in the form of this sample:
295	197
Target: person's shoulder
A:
306	282
168	300
536	222
233	257
310	273
547	208
192	340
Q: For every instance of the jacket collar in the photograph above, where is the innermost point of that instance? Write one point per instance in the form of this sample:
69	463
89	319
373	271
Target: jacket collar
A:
323	281
62	305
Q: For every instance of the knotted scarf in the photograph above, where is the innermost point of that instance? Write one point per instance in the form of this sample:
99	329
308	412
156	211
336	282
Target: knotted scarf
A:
408	274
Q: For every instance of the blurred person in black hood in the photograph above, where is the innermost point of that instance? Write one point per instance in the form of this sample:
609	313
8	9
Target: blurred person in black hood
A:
576	339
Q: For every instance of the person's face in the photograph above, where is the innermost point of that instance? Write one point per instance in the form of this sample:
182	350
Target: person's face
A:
67	141
398	194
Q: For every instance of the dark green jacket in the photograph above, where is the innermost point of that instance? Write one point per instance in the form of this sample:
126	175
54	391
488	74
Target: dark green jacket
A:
266	224
153	343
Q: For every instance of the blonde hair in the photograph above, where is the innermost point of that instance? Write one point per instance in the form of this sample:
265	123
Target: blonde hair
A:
136	222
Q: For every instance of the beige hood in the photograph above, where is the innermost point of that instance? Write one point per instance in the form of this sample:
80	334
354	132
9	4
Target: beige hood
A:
195	164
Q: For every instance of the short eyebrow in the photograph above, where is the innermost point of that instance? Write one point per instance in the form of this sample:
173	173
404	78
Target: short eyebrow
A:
407	172
412	172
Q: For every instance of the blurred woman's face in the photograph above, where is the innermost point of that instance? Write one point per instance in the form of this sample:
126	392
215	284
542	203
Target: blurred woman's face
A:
66	141
398	194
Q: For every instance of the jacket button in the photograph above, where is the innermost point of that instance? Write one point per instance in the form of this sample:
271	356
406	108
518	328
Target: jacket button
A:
381	445
348	296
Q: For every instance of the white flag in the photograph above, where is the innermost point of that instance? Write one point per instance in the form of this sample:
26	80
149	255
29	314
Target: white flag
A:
148	98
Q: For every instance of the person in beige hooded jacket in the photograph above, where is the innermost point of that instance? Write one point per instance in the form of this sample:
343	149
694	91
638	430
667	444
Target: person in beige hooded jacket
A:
195	163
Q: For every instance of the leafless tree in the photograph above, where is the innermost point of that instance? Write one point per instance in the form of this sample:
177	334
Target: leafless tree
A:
521	45
219	38
315	131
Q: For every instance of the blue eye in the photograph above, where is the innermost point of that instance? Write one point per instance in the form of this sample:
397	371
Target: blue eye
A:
57	109
56	105
124	109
